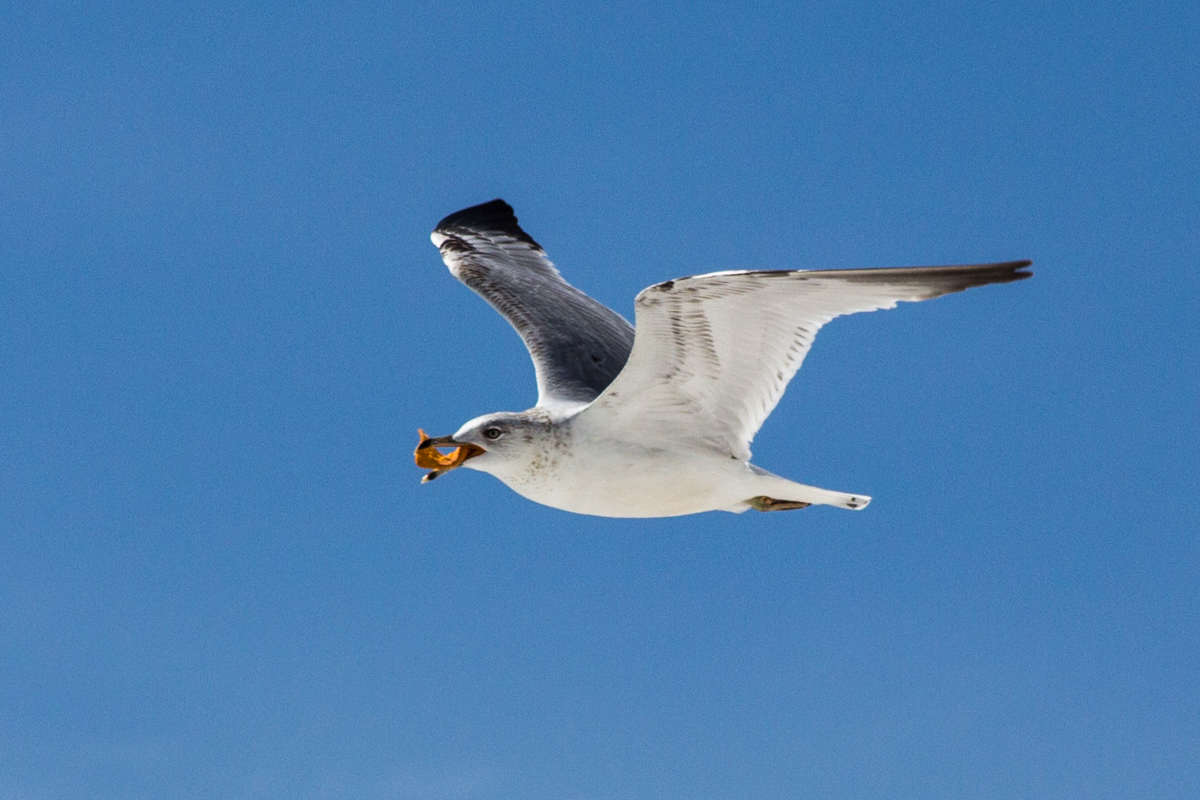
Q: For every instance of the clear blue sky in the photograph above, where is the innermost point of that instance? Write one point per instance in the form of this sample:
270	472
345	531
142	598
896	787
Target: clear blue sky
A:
222	321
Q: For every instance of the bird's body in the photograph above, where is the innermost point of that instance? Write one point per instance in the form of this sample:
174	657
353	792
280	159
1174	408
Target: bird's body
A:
569	465
658	424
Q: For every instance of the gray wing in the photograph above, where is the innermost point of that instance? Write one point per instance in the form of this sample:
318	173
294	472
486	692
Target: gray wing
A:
715	352
578	345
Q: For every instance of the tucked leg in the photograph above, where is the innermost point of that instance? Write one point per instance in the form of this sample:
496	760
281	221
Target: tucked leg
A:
764	503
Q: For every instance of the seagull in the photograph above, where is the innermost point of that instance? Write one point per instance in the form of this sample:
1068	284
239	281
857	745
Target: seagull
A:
657	421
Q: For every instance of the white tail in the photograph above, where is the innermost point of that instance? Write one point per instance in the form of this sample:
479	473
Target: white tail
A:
778	488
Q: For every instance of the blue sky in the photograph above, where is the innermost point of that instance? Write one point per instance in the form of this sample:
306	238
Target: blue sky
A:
222	321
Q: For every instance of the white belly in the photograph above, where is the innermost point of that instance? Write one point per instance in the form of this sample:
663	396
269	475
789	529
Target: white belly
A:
631	481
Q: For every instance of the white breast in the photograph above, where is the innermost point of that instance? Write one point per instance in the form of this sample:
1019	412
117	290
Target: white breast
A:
620	479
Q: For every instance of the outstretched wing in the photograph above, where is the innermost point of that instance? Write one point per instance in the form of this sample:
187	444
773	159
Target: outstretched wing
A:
715	352
578	345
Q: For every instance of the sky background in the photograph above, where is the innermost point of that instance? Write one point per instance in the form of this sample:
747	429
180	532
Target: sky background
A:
222	321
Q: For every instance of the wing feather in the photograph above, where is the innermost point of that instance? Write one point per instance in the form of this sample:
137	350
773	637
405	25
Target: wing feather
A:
578	346
714	353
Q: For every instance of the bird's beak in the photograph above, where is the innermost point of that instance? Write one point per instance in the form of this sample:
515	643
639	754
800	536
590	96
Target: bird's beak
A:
428	456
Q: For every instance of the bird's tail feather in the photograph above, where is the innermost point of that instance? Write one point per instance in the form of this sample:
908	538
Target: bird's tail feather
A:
777	488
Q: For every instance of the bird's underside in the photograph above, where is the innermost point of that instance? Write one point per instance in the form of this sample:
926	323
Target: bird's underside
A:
658	422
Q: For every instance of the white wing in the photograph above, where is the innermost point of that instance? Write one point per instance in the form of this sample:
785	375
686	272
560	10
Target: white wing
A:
713	353
578	345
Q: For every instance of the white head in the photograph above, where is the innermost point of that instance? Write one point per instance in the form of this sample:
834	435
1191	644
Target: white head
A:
498	443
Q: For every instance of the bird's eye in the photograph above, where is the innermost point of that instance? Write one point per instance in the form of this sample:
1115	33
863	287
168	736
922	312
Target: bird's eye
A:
493	433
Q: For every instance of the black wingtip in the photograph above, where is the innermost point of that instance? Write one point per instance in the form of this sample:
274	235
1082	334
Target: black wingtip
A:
1010	271
956	279
969	276
947	279
494	216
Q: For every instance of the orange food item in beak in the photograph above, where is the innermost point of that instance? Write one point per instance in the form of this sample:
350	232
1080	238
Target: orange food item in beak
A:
428	456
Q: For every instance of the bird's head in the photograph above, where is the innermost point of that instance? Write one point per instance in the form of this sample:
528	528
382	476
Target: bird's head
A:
484	443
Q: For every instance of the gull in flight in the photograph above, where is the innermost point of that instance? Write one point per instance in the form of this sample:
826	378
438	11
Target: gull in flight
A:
655	422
